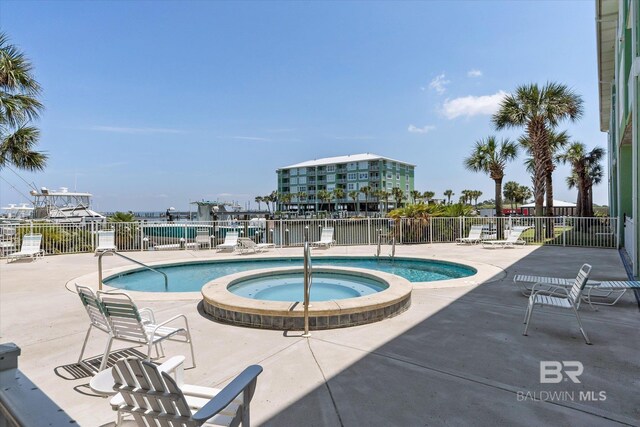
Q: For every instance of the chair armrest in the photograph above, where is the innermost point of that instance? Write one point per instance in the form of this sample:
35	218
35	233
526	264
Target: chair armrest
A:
146	311
174	366
179	316
228	394
551	290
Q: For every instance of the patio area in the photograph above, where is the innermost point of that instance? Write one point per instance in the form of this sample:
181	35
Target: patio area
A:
456	356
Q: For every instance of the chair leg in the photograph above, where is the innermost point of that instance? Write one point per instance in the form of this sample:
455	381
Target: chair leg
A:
528	319
105	358
584	334
84	344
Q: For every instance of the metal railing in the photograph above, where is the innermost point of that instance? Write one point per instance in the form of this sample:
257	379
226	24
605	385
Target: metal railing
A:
166	278
389	238
62	238
308	276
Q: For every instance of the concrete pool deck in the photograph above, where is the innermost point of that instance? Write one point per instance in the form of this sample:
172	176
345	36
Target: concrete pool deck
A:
456	356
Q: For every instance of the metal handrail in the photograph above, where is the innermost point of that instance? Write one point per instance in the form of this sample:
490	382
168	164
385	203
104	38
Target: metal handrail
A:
308	274
392	254
166	278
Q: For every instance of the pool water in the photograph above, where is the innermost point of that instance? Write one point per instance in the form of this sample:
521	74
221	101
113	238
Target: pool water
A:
192	277
289	287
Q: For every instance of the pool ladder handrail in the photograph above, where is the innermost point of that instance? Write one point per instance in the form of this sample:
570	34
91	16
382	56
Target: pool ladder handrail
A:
308	275
392	254
166	278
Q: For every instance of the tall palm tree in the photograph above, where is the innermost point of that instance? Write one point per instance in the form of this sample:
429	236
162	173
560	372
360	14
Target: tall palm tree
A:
338	194
538	110
583	163
324	196
19	106
301	196
366	190
398	195
476	195
595	176
354	196
383	196
511	191
285	199
259	200
523	194
491	157
415	195
448	194
428	195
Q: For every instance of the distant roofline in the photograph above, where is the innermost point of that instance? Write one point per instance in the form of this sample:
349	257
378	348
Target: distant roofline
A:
361	157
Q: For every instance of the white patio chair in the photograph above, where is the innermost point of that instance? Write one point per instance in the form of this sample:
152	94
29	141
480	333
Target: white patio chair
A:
127	324
475	235
326	238
511	241
245	245
203	240
571	300
153	397
230	241
106	241
31	248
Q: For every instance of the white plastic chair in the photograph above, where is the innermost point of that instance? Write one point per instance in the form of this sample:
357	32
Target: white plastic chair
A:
571	300
245	245
203	239
31	248
153	397
106	241
326	238
475	235
230	241
127	324
511	241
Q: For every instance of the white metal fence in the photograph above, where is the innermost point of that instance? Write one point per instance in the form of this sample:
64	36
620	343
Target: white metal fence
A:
60	238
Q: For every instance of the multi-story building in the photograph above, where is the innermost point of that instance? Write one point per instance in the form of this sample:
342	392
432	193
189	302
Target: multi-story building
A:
618	33
305	181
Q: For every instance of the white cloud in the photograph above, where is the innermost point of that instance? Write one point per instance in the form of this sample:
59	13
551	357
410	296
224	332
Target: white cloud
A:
251	138
424	129
472	105
474	73
439	83
117	129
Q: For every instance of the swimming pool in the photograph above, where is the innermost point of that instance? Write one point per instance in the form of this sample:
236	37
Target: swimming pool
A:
192	276
289	287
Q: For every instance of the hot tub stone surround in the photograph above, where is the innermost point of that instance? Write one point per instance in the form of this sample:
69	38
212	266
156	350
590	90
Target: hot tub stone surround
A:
226	307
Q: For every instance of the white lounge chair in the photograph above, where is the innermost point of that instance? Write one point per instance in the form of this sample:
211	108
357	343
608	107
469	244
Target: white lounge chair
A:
570	300
30	248
245	245
230	241
153	397
106	241
475	235
511	241
127	324
326	238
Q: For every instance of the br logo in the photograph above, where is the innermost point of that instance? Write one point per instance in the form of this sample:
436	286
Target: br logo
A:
553	372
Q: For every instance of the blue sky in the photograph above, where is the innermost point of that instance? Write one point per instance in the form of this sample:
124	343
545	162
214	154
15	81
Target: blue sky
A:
156	104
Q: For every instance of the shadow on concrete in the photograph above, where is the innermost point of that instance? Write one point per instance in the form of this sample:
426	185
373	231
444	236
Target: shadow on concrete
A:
467	363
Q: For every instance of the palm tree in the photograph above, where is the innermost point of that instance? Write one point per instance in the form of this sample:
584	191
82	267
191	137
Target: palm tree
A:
476	196
259	200
428	195
398	195
366	190
338	194
383	196
523	194
324	196
354	196
415	195
18	107
448	194
285	199
301	196
582	163
491	157
538	110
511	191
595	176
